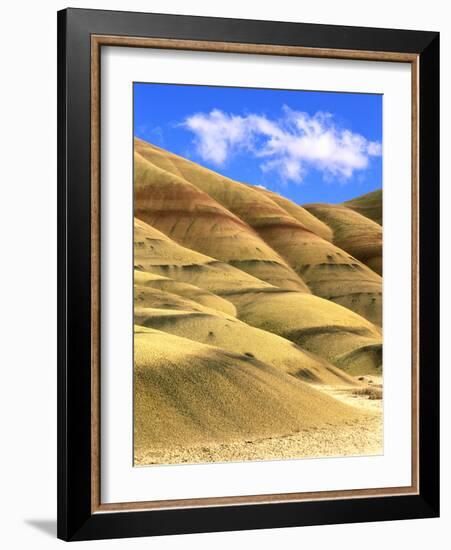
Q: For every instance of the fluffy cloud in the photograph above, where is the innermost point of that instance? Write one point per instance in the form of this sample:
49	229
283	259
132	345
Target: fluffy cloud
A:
217	134
289	146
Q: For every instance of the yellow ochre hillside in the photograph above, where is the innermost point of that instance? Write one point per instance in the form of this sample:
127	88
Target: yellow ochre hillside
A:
257	320
369	205
352	232
245	227
199	394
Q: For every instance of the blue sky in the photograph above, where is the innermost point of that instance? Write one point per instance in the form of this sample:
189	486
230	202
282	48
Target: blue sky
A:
307	146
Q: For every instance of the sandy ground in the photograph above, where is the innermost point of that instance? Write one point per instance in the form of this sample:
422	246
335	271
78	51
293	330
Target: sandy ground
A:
363	437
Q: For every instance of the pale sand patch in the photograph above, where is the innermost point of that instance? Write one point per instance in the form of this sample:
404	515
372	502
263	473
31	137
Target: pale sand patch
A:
355	396
356	438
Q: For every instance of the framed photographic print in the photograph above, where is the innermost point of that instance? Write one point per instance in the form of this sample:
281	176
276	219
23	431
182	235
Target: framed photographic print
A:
248	274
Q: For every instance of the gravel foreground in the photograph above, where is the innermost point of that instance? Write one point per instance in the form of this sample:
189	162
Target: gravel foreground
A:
362	437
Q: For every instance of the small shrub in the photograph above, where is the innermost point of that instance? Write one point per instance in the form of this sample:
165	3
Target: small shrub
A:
371	393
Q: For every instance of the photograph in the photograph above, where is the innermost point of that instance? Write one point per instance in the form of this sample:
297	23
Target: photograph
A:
258	274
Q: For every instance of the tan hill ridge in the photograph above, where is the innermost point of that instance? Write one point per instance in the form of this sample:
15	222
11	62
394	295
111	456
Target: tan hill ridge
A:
289	314
356	234
257	320
200	394
369	205
314	263
191	217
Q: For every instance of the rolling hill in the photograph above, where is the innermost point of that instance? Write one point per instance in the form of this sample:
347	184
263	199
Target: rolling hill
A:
201	394
369	205
225	288
191	217
353	232
230	220
252	313
233	335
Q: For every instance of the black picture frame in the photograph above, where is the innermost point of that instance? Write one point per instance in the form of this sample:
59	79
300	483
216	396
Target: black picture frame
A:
76	521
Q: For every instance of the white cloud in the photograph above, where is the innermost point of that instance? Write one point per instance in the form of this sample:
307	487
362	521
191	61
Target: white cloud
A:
289	146
155	133
217	134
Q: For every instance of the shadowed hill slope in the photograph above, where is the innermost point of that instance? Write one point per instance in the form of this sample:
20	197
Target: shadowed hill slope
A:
148	297
196	220
156	253
145	281
300	214
329	271
253	317
200	394
320	326
232	335
369	205
254	300
356	234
